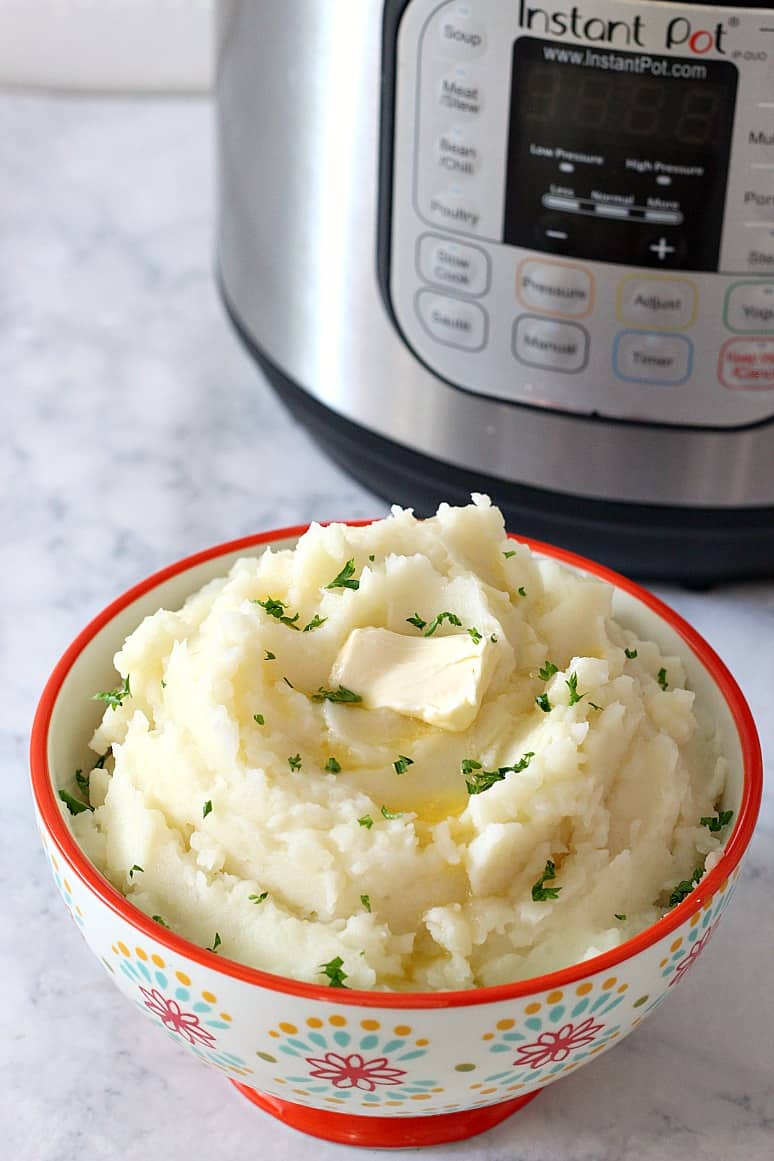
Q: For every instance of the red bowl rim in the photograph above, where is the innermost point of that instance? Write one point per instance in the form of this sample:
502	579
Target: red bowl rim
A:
49	809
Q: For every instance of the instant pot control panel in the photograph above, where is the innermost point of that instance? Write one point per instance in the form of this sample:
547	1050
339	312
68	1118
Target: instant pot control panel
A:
581	211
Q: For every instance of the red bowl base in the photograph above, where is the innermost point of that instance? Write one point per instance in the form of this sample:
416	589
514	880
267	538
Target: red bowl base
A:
384	1132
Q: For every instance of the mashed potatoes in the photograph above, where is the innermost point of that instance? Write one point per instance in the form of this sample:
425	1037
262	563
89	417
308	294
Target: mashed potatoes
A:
491	780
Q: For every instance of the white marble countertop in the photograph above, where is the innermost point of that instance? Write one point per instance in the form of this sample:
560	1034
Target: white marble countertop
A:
135	430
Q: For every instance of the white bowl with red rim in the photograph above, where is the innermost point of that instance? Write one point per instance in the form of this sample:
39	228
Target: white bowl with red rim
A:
378	1068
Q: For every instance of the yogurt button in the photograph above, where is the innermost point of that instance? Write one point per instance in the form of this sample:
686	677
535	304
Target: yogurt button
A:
750	307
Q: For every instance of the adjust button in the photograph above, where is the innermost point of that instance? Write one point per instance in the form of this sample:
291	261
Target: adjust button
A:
452	321
453	265
657	302
555	288
747	365
553	346
644	357
750	307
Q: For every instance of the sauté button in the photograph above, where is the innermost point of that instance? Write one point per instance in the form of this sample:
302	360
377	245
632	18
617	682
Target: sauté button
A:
644	357
750	307
553	346
453	265
655	302
747	365
451	320
555	288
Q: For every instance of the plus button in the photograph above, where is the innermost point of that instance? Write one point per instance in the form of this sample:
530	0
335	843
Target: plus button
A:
661	248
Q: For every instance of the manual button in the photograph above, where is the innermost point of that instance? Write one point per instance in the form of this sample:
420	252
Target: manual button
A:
644	357
452	321
553	346
668	303
453	265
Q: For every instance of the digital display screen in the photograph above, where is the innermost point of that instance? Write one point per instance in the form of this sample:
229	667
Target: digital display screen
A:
618	156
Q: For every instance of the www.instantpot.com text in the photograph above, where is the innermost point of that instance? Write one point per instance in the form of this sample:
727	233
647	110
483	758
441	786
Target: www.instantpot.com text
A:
654	66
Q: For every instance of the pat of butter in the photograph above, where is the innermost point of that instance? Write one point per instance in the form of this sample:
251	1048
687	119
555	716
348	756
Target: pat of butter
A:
440	680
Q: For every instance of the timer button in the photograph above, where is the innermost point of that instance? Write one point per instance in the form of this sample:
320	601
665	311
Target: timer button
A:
747	365
645	357
451	320
657	302
555	288
460	93
453	265
550	345
460	36
750	307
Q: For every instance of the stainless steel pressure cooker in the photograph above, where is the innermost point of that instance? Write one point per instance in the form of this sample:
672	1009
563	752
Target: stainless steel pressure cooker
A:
517	246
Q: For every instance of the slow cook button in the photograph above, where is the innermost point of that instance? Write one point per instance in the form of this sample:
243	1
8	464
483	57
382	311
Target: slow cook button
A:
657	302
453	265
643	357
460	36
559	288
452	321
747	365
553	346
750	307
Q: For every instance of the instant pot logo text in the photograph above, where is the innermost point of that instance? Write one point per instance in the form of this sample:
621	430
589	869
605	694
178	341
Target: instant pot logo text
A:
679	31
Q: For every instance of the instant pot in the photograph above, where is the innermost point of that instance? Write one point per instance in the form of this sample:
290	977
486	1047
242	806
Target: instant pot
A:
517	246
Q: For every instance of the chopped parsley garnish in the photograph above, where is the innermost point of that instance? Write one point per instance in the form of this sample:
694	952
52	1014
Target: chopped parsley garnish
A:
417	621
630	653
481	780
366	821
334	970
371	556
661	678
713	822
617	916
264	895
594	705
342	694
160	920
288	683
216	942
452	618
294	762
345	579
685	887
136	867
276	609
82	782
547	671
572	685
315	623
259	719
207	808
269	656
114	697
521	591
74	805
511	552
493	638
539	891
401	765
332	766
475	635
100	763
391	814
544	703
366	901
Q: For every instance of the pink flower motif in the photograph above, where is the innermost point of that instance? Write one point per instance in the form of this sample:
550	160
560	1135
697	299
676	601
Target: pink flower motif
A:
689	960
186	1024
557	1045
354	1071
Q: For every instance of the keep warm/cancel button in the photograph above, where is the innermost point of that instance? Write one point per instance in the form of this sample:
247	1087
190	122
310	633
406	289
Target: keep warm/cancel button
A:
747	365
